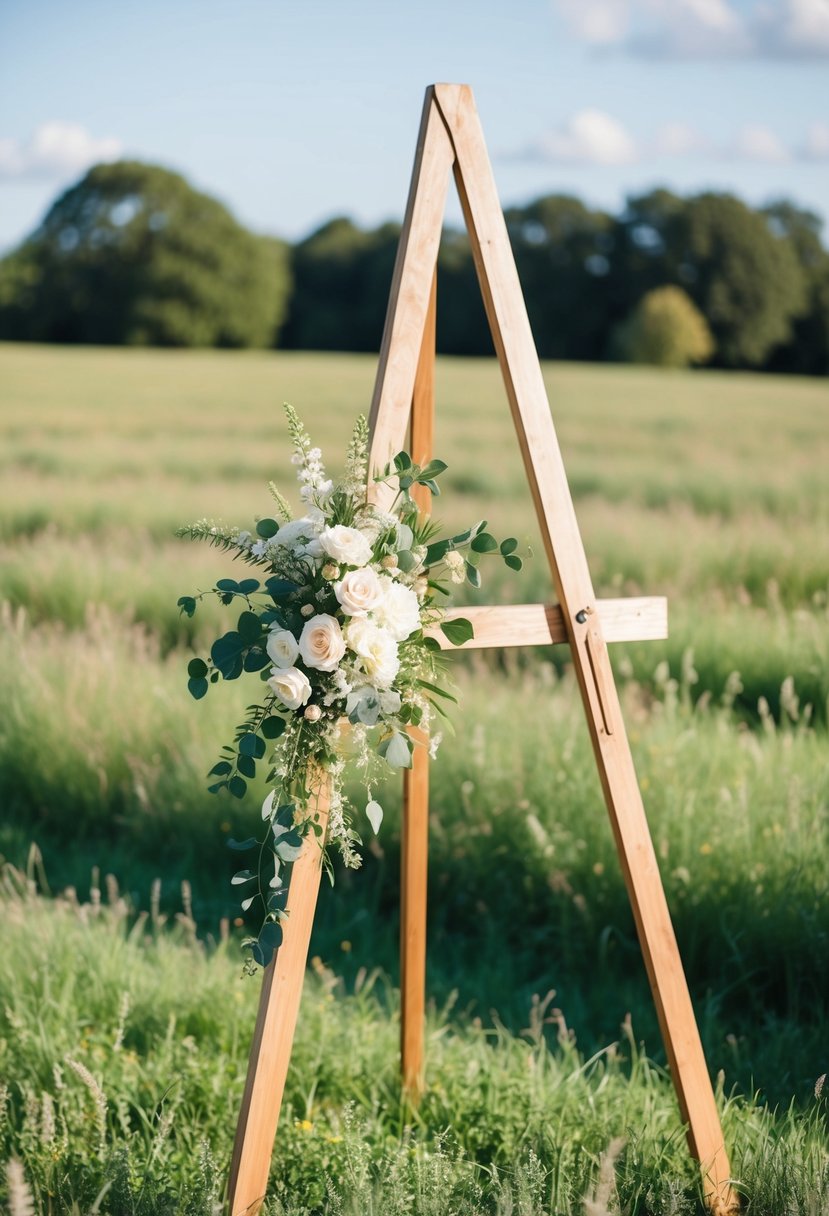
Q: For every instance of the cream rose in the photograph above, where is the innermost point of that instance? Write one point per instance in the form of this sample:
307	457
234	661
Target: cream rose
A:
376	649
359	592
282	648
399	610
291	686
347	545
321	643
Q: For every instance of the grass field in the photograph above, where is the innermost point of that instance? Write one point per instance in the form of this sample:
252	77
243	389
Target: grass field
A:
709	488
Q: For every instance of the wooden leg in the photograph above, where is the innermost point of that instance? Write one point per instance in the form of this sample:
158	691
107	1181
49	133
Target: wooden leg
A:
413	884
273	1037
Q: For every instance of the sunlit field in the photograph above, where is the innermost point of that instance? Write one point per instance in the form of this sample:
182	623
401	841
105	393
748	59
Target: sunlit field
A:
124	1020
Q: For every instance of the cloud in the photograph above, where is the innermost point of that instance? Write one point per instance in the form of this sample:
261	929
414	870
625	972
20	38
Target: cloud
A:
589	137
55	150
702	29
592	137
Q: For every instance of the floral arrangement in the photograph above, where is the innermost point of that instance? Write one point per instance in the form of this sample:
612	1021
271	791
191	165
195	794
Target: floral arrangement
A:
338	629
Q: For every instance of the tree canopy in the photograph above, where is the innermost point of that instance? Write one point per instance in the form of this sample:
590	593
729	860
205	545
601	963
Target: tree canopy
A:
133	254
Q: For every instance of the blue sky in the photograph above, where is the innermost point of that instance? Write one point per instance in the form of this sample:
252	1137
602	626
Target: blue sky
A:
294	112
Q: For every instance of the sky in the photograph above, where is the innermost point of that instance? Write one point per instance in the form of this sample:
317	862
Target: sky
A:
294	112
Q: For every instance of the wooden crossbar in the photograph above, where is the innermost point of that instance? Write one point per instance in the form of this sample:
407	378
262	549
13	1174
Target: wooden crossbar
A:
638	619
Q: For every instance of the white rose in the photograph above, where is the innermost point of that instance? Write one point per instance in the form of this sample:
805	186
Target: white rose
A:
282	648
291	686
359	591
456	565
347	545
376	649
321	643
399	611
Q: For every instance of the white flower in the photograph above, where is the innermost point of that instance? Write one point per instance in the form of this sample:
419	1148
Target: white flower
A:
399	611
376	648
359	591
291	686
299	535
456	565
321	643
313	713
282	648
347	545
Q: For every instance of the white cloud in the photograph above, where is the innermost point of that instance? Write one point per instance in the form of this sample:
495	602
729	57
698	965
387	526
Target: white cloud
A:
589	137
592	137
702	29
756	142
55	150
816	144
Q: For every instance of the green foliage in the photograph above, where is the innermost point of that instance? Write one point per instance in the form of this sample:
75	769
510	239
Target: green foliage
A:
666	329
134	255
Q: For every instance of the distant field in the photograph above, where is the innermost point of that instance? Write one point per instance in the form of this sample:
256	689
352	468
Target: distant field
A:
709	488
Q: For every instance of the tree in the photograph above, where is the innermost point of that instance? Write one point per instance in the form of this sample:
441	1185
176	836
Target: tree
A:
666	329
807	351
561	251
133	254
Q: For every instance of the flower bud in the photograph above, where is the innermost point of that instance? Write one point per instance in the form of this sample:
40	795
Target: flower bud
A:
307	610
389	562
313	713
330	572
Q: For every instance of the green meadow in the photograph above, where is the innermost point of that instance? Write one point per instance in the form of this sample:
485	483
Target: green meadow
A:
124	1019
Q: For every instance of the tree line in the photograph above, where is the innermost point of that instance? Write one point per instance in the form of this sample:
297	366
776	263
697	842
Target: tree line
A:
132	254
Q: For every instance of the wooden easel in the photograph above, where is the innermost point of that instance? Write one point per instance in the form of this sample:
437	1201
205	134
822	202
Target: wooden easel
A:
451	139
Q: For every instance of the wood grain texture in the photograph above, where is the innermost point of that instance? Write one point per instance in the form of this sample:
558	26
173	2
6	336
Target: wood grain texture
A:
527	396
411	293
638	619
413	905
273	1035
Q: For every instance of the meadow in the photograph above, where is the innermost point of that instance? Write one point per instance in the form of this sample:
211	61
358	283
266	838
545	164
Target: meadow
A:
125	1021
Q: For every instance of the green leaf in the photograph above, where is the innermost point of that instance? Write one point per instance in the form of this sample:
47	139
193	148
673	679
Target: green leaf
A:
251	745
197	688
433	469
187	604
514	563
406	481
397	751
458	631
256	660
484	542
433	487
248	586
273	727
197	668
402	461
227	584
441	692
226	653
270	939
473	575
266	528
249	627
237	787
241	876
241	846
435	552
221	769
246	766
508	546
431	644
406	560
374	812
289	846
279	588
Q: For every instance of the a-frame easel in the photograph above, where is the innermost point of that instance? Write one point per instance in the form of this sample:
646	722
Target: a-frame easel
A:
451	139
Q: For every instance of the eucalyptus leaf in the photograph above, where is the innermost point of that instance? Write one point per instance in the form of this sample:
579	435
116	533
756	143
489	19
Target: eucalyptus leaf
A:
397	751
197	688
374	813
197	668
241	846
266	528
514	562
241	876
484	542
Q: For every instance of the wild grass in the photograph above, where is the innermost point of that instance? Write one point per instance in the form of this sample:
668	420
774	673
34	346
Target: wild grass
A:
708	488
125	1048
